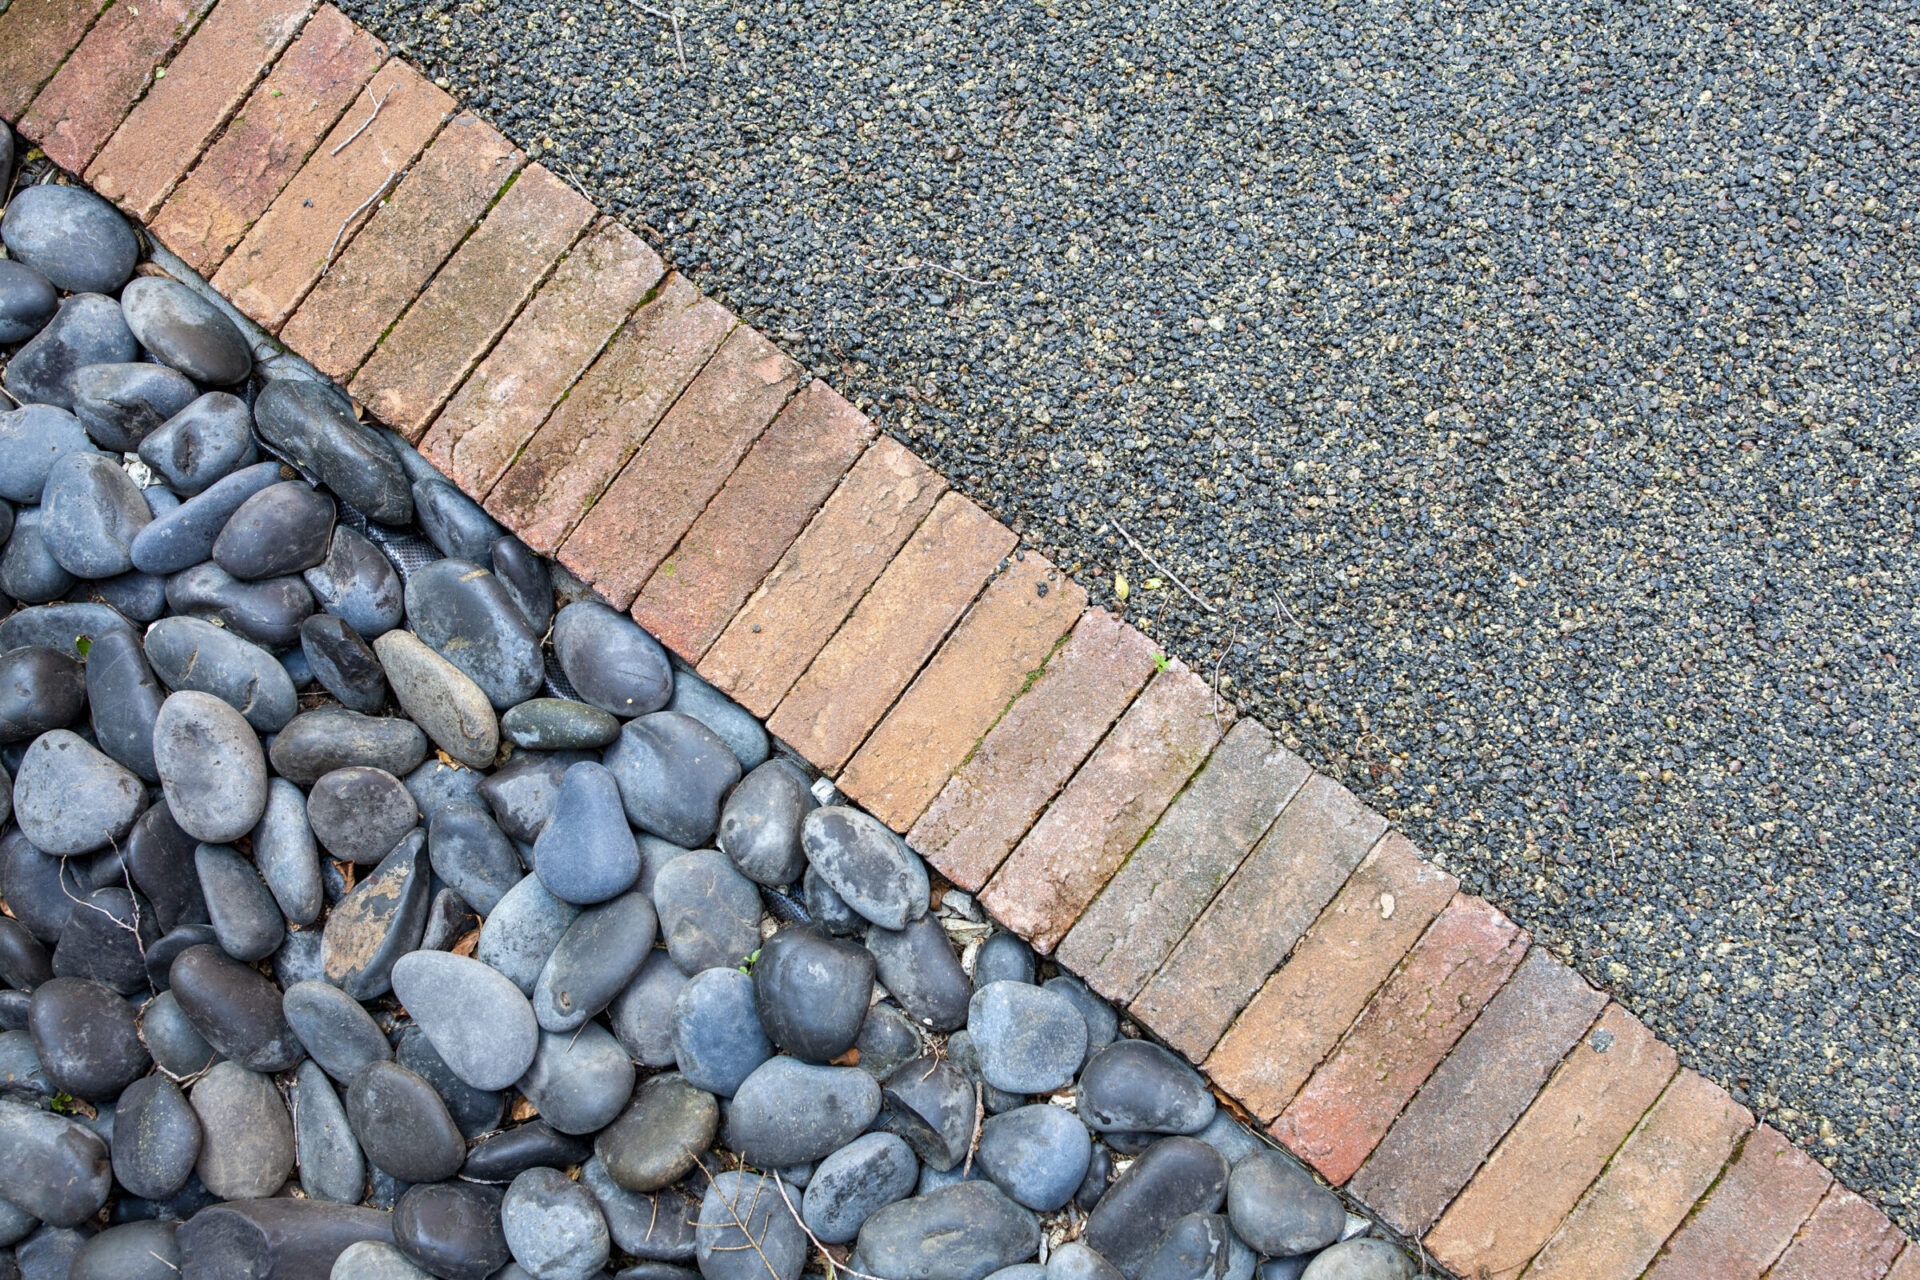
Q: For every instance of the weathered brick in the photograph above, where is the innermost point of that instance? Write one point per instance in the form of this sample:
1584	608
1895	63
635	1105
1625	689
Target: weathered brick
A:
1845	1239
267	141
913	603
672	477
35	38
806	597
1749	1219
1257	917
542	354
1154	898
1114	799
608	414
752	521
1401	1036
183	112
1475	1096
991	654
981	814
402	245
1908	1267
1647	1189
1354	945
93	91
316	215
1555	1151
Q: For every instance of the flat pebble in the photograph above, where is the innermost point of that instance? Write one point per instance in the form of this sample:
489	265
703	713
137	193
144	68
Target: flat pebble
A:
856	1181
717	1039
211	766
452	1229
462	612
360	813
1037	1154
379	921
343	663
86	1037
594	961
919	969
246	920
28	571
478	1020
554	1227
186	331
654	1226
285	528
331	1165
90	513
789	1112
235	1008
32	438
760	823
474	1111
1075	1261
558	724
673	773
966	1231
654	1141
311	424
287	855
1136	1086
316	742
610	661
579	1081
1003	957
177	1048
71	236
709	913
527	579
452	710
70	798
87	329
201	444
1029	1040
504	1156
358	584
472	855
335	1029
375	1260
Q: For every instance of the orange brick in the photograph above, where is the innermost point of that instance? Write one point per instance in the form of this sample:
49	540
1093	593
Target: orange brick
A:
35	38
1555	1151
1113	801
990	656
913	603
1304	1009
806	597
95	89
1255	920
685	459
751	522
185	110
981	814
1747	1221
1845	1239
317	213
267	141
403	244
609	413
542	354
1665	1166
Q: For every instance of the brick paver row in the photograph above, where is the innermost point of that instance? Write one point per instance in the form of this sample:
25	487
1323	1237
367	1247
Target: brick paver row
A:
1400	1037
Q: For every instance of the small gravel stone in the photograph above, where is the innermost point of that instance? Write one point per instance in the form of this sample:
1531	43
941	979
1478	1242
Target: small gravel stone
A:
186	331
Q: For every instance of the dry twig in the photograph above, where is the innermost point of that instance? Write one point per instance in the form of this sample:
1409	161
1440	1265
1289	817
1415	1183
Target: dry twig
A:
833	1267
679	45
347	141
979	1118
347	221
1155	562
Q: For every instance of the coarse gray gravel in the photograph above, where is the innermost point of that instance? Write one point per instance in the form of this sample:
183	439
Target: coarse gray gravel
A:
1532	386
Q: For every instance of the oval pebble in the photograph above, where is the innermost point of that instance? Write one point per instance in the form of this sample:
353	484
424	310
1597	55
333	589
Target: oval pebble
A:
40	689
56	1169
610	661
869	866
790	1112
919	969
717	1039
1280	1209
855	1182
1029	1040
558	724
32	438
655	1140
594	961
452	1230
1037	1154
246	920
586	852
360	813
287	855
201	444
70	798
461	611
268	612
335	1029
194	654
522	931
478	1020
316	742
760	823
87	329
311	425
965	1231
554	1227
157	1138
673	773
579	1081
90	513
237	1009
402	1125
709	913
27	301
179	539
746	1232
78	241
285	528
186	331
86	1037
343	663
439	697
125	698
358	584
121	403
211	767
1171	1179
812	992
247	1150
1136	1086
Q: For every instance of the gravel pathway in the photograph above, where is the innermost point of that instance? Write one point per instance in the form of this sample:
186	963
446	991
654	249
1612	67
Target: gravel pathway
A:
1536	397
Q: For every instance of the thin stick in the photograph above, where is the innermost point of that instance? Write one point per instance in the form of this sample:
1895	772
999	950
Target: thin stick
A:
378	103
1155	562
679	45
918	263
348	220
1217	662
979	1118
9	395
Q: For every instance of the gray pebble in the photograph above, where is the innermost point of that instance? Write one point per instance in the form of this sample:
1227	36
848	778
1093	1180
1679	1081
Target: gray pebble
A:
316	742
121	403
522	930
709	913
717	1039
586	853
192	653
554	1226
125	698
477	1019
331	1165
1029	1040
204	442
287	855
211	767
869	866
919	969
558	724
285	528
89	515
87	329
69	798
966	1231
760	823
472	855
311	425
1037	1154
360	813
186	331
1137	1086
247	1151
33	438
746	1232
381	920
402	1125
596	958
439	697
246	920
855	1182
463	613
610	661
654	1141
358	584
335	1029
930	1104
78	241
641	1015
268	612
184	537
579	1081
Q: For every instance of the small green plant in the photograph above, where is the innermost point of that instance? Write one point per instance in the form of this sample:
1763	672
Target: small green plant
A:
1160	662
746	966
63	1104
83	645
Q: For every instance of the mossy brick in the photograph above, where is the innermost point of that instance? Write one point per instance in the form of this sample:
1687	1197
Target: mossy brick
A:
1845	1238
682	464
78	110
1750	1217
36	36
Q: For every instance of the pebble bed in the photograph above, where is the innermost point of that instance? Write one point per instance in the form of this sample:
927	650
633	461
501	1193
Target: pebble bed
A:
379	906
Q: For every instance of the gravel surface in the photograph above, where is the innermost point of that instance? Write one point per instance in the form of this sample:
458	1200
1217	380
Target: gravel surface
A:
1533	395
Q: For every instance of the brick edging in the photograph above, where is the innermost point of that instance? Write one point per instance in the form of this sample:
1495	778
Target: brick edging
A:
1404	1039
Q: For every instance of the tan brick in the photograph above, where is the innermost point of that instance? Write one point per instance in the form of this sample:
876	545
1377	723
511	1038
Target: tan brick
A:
609	413
912	605
95	89
402	245
988	659
267	141
541	355
672	477
1113	801
184	111
1474	1097
1647	1189
1354	945
1555	1151
751	522
36	36
990	803
333	194
1845	1239
1405	1031
806	597
1255	920
1749	1219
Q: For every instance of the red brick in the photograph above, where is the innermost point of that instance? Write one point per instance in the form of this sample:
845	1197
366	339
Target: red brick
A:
913	603
1400	1037
1908	1267
790	618
1025	759
1112	803
1647	1189
672	477
609	413
541	355
267	141
1255	920
35	38
1747	1221
333	194
185	110
1353	947
95	89
1845	1239
991	655
371	282
753	520
1555	1151
1474	1097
